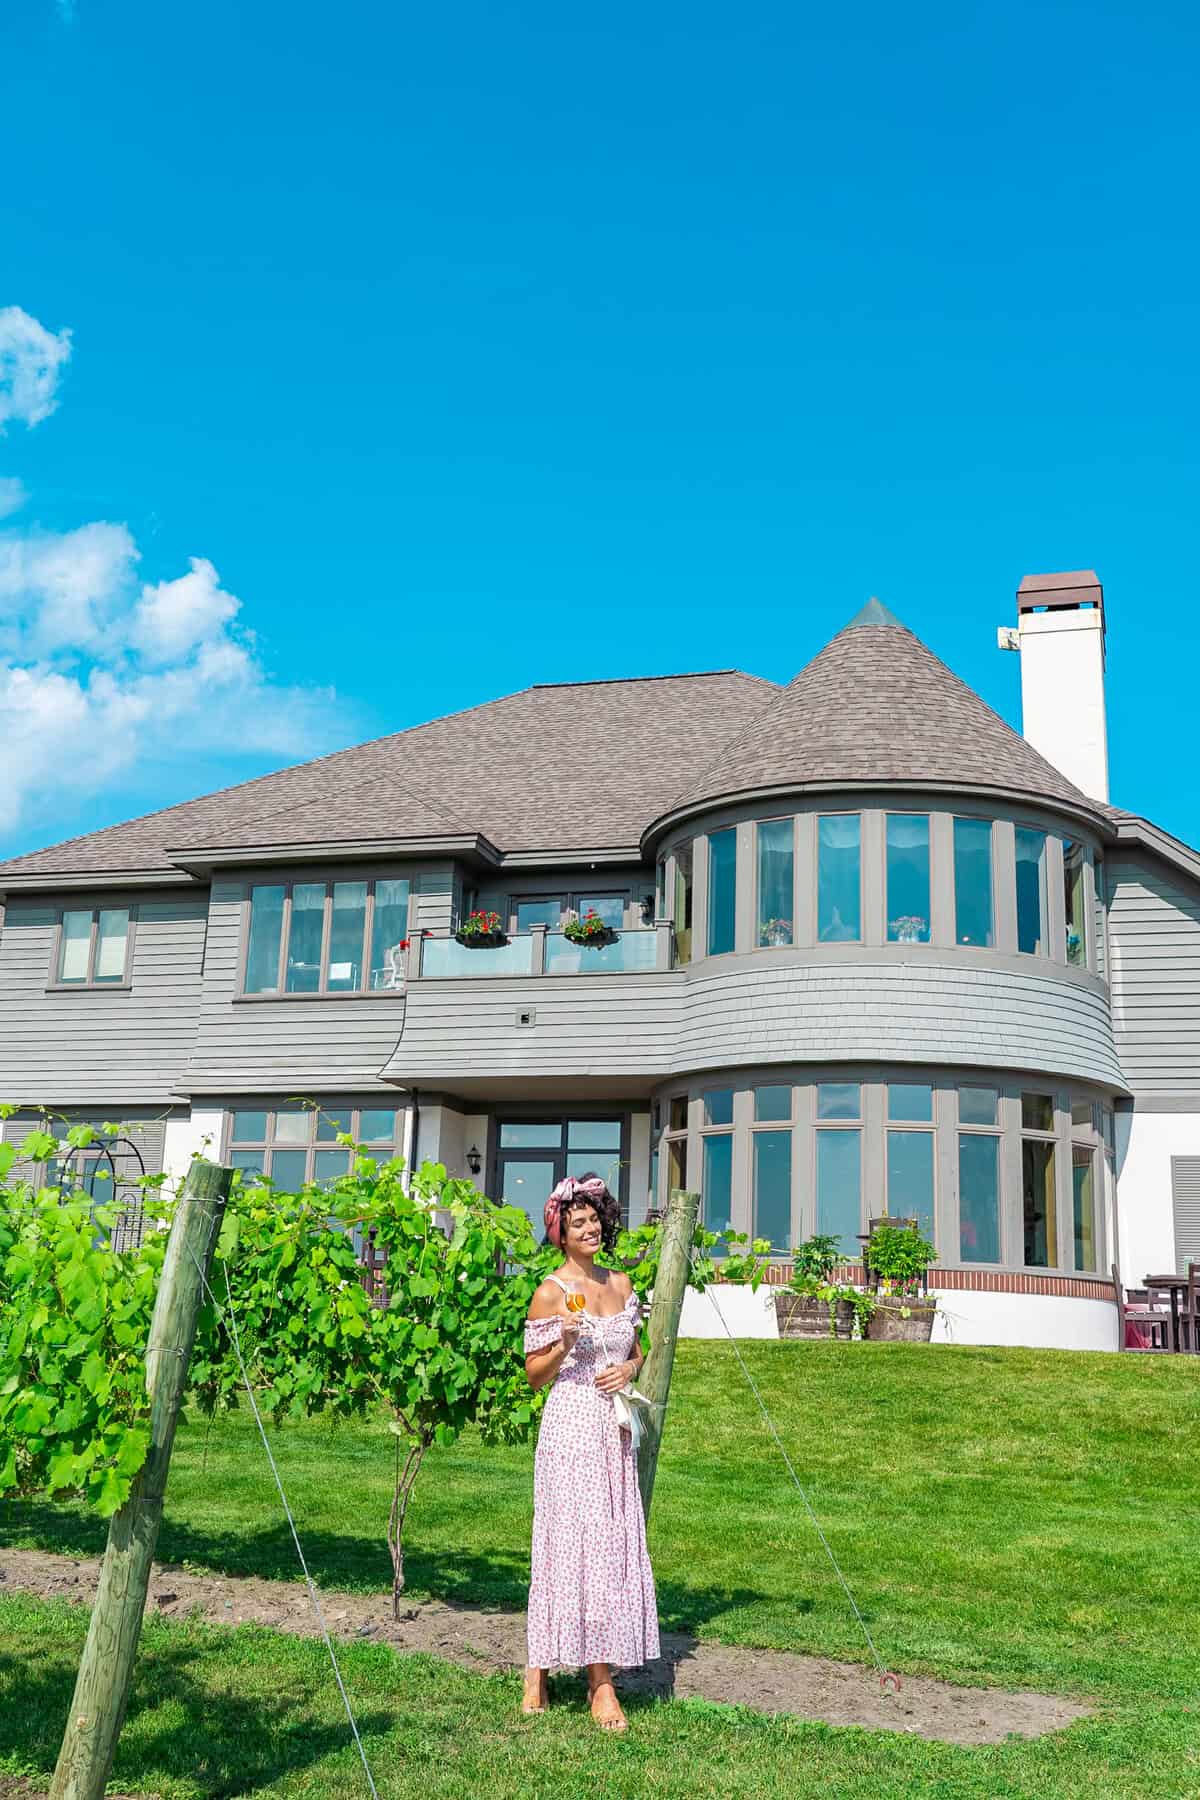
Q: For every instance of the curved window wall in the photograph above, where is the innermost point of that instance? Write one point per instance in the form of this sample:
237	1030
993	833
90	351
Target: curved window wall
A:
1012	1174
949	879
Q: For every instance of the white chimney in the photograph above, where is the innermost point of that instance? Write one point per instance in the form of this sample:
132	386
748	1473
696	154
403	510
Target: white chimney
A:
1060	634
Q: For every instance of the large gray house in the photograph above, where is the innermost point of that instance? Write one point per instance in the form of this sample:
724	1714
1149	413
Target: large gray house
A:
866	947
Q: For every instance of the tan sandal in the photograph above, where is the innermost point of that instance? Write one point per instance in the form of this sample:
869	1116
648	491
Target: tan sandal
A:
543	1704
616	1724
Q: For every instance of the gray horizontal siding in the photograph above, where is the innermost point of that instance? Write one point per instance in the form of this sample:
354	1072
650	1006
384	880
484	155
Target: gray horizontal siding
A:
759	1012
146	1130
281	1046
93	1047
1154	946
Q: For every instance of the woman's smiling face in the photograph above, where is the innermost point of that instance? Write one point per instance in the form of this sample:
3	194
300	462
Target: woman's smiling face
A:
583	1234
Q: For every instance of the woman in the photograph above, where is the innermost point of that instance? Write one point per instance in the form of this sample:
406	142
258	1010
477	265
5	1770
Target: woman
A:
591	1595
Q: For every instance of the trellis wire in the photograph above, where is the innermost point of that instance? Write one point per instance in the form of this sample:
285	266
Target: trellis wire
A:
885	1675
227	1314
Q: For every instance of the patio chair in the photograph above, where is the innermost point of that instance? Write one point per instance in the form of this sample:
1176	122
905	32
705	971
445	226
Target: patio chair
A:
1142	1324
1189	1318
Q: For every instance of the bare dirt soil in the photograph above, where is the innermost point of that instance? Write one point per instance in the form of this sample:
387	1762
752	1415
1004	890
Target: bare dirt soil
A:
771	1681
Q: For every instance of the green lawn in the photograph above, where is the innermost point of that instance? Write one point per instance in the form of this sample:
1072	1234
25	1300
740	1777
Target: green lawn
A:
1010	1517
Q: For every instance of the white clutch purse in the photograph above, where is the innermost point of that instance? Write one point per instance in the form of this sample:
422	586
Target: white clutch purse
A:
631	1409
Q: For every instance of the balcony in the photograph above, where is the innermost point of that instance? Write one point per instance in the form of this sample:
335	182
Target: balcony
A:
439	957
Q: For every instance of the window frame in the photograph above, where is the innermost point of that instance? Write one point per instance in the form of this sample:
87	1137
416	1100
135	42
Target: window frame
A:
323	990
993	894
89	985
931	878
788	819
973	1128
270	1143
815	886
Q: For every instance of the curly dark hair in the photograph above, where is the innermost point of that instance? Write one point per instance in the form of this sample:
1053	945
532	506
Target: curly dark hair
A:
607	1210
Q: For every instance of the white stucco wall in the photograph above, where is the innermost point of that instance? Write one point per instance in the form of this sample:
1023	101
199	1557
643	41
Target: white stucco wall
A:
197	1133
748	1314
1146	1142
1062	694
1039	1321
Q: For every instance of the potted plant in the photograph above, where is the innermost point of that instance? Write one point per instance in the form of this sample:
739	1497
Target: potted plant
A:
813	1305
911	928
480	929
590	929
775	932
896	1259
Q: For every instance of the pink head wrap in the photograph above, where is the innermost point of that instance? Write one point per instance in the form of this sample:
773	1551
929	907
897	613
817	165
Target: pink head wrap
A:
592	1189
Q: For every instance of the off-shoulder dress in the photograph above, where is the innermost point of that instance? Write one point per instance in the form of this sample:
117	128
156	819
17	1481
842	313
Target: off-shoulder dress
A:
591	1591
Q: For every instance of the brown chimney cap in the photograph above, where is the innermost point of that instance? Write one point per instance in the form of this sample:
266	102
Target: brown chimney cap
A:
1058	583
1070	587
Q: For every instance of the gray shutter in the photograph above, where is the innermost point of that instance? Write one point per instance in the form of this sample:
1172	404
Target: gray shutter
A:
1185	1197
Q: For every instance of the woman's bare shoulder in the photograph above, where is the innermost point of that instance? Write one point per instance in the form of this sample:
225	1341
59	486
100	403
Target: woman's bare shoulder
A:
622	1283
547	1301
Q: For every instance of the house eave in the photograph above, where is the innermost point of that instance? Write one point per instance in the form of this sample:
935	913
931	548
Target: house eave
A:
1096	819
205	860
59	881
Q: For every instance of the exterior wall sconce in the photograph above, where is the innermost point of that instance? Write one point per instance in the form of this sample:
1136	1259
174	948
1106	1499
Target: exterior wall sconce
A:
474	1160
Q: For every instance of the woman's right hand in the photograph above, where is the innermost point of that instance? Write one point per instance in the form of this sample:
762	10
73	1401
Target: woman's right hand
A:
570	1332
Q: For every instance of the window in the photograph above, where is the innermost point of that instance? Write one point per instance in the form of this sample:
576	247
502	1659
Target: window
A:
839	1187
722	891
718	1106
609	908
683	903
839	878
910	1178
910	1103
717	1185
1083	1165
1037	1112
326	937
292	1145
973	919
678	1113
1073	896
908	878
772	1105
1037	1183
977	1106
839	1100
93	947
660	889
540	912
776	862
1031	891
773	1188
978	1197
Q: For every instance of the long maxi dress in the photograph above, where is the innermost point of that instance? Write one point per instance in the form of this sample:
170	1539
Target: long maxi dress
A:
591	1591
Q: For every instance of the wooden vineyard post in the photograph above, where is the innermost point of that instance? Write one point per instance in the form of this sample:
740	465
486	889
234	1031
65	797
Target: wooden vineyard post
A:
106	1668
679	1229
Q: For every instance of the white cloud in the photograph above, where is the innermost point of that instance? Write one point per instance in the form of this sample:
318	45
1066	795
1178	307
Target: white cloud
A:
12	495
176	617
124	676
101	673
30	360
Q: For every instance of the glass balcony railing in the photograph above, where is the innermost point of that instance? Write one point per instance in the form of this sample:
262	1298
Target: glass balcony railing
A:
539	953
624	952
445	956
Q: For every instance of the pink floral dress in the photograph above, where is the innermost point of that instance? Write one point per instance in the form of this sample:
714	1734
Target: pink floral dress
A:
591	1592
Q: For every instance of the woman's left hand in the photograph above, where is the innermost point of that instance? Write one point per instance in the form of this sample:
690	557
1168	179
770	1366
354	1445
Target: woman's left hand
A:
612	1380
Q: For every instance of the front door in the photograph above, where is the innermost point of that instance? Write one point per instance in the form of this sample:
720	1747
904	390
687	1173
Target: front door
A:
533	1155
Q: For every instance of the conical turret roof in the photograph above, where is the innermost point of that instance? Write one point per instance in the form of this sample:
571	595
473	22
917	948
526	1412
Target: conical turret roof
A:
877	706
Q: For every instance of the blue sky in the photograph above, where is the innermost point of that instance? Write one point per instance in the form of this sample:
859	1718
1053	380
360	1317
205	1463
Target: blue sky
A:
473	347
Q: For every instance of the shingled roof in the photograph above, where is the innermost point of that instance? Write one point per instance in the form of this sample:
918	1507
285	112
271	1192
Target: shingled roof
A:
580	766
877	706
